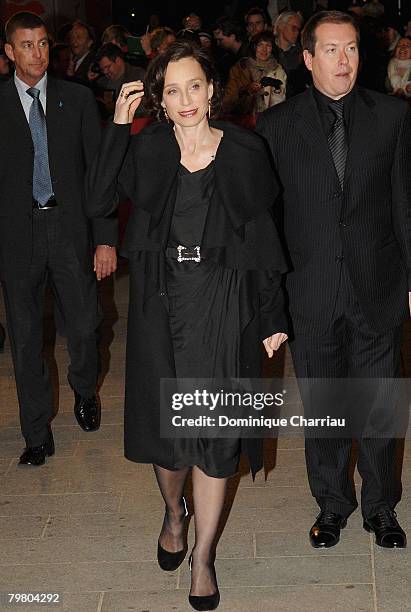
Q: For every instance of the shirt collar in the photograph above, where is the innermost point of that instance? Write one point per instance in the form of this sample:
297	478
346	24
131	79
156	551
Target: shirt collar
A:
22	87
323	101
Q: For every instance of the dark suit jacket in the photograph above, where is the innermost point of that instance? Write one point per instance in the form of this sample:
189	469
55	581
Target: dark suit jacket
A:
73	129
369	224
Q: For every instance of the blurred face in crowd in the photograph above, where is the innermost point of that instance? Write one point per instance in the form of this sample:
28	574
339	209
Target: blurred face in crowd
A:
29	50
79	40
290	30
186	92
112	69
403	49
389	35
166	42
192	22
255	24
61	62
223	41
334	65
263	50
205	42
4	65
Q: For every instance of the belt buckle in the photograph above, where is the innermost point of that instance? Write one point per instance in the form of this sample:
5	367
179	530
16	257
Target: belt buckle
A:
188	253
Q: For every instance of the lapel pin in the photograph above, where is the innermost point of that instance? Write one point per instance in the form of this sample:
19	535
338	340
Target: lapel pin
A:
60	104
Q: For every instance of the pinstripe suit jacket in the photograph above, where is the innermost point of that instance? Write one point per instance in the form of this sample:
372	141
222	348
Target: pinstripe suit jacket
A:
368	223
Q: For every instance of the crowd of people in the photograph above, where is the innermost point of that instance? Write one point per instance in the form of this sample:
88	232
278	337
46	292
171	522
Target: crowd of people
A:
237	242
259	59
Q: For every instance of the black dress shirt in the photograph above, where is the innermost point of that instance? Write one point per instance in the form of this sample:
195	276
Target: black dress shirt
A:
327	116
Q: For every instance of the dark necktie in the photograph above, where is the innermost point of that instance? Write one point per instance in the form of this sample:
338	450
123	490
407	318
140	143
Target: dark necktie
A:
42	188
337	140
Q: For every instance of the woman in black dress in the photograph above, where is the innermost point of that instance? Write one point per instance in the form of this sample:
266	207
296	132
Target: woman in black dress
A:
194	184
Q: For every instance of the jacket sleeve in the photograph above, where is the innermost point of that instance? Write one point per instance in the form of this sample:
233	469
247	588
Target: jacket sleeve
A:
111	175
273	318
105	231
401	191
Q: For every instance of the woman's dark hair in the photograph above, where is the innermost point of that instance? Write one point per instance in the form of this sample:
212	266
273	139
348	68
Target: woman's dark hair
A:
265	36
308	36
154	81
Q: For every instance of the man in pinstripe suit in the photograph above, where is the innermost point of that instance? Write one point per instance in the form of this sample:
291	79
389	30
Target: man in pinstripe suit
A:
343	156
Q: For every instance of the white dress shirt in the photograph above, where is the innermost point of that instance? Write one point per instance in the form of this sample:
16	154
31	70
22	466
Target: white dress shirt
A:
25	99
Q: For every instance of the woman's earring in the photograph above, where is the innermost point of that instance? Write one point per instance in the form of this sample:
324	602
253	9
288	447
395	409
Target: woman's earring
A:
209	108
166	114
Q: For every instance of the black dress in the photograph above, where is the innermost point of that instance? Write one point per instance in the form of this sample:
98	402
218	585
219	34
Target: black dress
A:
204	317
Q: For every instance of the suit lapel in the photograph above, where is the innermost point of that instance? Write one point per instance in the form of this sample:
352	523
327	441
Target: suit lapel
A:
308	124
363	124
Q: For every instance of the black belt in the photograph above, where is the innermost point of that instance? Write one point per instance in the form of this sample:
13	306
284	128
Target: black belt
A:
51	203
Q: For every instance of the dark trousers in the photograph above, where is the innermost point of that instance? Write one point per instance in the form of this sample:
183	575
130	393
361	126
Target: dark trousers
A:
350	349
54	261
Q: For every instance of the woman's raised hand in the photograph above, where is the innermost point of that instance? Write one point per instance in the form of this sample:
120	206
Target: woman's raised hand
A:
128	101
273	343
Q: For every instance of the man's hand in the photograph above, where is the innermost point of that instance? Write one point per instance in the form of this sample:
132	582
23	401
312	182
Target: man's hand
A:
273	343
105	261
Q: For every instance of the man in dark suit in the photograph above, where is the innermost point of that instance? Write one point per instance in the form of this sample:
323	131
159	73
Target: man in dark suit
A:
343	157
49	133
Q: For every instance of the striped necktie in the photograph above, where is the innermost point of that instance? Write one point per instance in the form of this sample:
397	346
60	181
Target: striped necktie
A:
42	188
337	140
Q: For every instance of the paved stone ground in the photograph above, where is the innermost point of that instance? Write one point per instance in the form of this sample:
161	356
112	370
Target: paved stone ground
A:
86	523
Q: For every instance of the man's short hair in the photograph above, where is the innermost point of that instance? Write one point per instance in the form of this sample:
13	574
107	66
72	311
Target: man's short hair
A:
24	20
109	50
308	37
229	27
115	32
256	10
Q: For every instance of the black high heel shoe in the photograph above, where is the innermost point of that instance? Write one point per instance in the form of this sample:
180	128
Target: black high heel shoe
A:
170	561
204	602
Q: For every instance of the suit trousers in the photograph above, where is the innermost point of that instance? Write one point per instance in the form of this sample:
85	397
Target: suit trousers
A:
350	349
54	261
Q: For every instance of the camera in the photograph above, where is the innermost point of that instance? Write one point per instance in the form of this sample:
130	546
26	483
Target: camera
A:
270	82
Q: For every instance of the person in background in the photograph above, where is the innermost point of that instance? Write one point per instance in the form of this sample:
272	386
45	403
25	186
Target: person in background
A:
287	33
399	70
251	87
81	41
206	40
192	22
256	20
113	69
60	57
230	38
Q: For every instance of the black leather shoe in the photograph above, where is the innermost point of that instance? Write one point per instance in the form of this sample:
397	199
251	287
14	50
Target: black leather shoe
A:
87	412
204	602
36	455
2	338
326	530
170	561
388	531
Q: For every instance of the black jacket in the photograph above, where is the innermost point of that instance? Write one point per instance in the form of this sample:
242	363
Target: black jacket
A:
73	130
368	224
